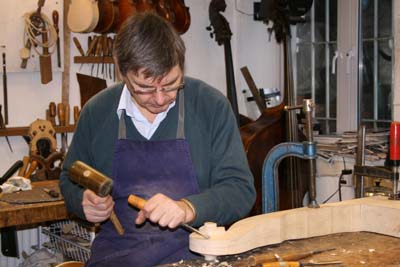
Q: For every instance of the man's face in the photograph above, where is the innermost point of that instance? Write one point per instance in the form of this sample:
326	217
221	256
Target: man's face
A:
152	95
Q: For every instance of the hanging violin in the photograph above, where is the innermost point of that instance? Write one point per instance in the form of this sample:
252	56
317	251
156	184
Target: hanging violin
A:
180	15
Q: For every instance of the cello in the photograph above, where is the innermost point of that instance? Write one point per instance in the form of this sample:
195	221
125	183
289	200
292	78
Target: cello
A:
219	29
274	127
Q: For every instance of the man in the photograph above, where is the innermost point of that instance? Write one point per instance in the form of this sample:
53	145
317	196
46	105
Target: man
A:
170	139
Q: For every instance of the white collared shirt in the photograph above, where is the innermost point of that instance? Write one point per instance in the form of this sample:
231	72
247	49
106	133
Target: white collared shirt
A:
144	127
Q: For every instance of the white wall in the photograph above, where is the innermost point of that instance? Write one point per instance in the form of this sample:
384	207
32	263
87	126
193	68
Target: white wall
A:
28	98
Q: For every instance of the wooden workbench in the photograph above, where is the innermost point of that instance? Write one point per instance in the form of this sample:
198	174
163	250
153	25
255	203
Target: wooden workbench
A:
26	214
353	249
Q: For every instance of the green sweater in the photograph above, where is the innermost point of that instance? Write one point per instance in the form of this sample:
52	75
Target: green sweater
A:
226	184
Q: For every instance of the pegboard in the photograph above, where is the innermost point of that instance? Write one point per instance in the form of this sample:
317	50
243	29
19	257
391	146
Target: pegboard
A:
12	25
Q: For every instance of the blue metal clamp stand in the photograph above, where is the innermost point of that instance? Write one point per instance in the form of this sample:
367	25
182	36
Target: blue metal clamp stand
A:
304	150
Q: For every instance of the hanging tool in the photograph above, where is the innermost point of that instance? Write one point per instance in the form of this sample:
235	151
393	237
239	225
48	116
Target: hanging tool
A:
5	96
78	46
89	178
76	114
52	113
298	264
61	121
261	258
32	167
55	23
2	126
139	203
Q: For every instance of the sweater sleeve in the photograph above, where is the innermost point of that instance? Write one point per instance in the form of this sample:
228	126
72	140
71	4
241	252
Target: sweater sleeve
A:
230	194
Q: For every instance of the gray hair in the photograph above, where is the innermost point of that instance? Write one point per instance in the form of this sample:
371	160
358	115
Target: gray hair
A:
147	41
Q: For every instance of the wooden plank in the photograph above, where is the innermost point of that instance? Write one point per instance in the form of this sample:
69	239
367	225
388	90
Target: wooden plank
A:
67	56
18	131
93	59
375	214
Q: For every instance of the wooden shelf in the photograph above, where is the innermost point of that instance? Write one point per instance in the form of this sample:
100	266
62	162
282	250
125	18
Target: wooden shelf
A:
19	131
93	60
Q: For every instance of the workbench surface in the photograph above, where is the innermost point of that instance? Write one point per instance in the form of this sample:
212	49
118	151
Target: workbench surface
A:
25	214
353	249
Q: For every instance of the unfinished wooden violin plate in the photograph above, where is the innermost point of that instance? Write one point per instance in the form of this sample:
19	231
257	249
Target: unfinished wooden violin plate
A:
373	214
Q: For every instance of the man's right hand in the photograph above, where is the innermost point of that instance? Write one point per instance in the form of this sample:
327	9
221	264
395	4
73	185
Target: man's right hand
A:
96	209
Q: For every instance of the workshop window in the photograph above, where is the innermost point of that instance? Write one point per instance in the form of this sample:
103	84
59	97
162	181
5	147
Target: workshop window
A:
351	81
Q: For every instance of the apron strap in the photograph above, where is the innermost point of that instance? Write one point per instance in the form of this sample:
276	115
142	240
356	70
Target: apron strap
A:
180	132
122	126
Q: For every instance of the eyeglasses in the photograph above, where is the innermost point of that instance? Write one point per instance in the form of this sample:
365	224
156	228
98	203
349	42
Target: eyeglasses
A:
151	90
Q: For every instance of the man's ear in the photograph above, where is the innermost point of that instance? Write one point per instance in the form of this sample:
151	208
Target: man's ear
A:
118	76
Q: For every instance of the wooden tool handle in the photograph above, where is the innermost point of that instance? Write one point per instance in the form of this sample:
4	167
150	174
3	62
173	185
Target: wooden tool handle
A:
22	170
46	73
52	112
136	201
117	225
61	114
67	115
92	46
55	20
76	114
31	169
282	264
90	178
78	46
52	109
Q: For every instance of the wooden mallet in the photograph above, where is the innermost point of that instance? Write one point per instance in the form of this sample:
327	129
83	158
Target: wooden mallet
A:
89	178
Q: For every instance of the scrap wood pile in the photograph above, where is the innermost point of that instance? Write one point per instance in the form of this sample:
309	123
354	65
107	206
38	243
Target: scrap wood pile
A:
376	145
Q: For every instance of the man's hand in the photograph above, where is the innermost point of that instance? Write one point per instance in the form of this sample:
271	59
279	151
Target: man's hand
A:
165	211
96	209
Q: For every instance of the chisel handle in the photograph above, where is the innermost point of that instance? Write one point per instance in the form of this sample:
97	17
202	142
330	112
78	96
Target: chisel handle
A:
136	201
283	264
139	203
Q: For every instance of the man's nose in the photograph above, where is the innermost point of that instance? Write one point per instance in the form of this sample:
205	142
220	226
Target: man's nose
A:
160	97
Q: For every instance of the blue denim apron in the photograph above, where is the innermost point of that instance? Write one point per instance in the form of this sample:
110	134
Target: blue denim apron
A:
145	168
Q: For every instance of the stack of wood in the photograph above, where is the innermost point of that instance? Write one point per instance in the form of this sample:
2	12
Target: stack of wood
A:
376	145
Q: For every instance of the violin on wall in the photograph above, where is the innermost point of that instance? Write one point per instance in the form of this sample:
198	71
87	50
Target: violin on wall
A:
107	16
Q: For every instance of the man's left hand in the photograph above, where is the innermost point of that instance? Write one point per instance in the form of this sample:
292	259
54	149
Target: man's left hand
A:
165	211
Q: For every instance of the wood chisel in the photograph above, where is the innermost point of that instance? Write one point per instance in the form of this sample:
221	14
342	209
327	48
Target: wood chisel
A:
51	192
298	264
55	23
139	203
5	96
262	258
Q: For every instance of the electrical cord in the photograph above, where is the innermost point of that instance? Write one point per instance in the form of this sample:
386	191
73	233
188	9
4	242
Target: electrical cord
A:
339	189
32	31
